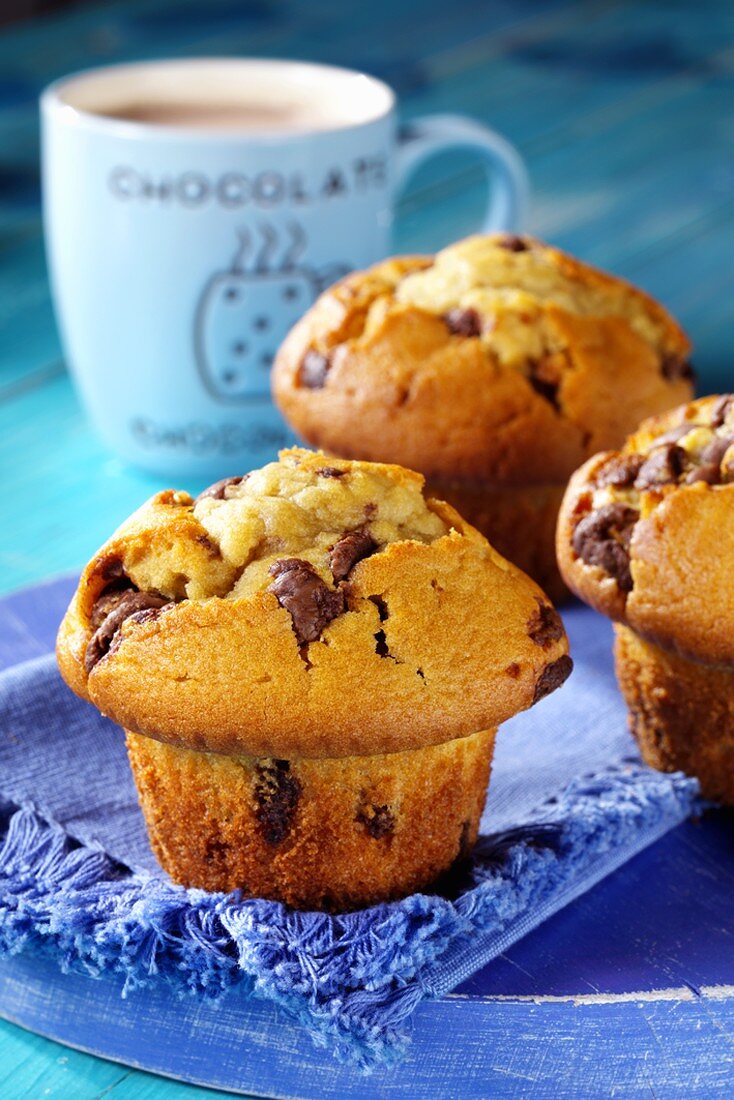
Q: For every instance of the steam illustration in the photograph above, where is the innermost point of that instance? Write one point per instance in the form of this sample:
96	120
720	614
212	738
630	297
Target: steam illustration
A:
244	312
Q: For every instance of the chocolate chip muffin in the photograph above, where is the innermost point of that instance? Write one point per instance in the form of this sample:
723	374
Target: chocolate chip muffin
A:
646	536
495	368
310	663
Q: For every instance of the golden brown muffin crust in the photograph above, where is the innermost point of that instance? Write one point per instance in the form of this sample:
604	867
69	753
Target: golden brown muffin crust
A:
316	608
501	359
646	534
681	712
330	834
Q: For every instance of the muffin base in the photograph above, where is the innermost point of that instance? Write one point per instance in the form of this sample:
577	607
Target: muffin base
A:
520	522
680	712
330	834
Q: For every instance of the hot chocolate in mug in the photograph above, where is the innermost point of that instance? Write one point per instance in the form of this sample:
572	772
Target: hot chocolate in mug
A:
194	210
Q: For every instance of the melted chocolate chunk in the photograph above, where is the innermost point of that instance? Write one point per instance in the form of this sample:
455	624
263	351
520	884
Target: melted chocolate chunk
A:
663	467
111	570
377	820
131	602
721	410
313	370
147	615
707	472
546	389
350	549
330	471
603	539
545	626
709	468
463	322
552	677
309	601
277	793
513	243
673	434
620	471
675	368
106	603
217	491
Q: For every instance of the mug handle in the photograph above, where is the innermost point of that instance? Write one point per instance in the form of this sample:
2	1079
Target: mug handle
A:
509	190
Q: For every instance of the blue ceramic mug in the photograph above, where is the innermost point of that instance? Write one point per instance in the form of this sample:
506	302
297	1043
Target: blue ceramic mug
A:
194	210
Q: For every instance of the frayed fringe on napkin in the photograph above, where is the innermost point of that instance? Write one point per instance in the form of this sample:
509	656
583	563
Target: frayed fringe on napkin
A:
354	980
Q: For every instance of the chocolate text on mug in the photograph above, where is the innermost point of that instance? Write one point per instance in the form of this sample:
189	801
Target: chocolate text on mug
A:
202	438
234	190
244	310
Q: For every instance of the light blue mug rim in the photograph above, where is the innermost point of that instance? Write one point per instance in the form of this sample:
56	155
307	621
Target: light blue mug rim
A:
52	105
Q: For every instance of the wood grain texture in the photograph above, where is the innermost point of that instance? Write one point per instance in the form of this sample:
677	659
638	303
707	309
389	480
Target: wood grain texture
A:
624	112
675	1046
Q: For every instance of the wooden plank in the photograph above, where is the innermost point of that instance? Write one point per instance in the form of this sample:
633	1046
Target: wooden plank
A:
31	1066
676	1045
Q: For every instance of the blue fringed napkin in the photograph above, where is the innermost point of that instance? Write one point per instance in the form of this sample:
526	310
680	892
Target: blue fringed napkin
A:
569	802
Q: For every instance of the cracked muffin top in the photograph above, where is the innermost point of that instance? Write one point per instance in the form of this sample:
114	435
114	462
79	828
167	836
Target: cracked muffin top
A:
500	359
646	533
315	607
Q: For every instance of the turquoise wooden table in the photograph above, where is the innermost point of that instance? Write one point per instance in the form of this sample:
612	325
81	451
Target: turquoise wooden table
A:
624	112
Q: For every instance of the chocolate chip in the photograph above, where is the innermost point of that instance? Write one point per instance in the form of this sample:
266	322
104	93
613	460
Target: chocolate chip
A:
620	471
721	410
310	602
277	794
382	649
513	243
663	467
676	368
552	676
603	539
709	468
377	820
513	670
217	491
350	549
545	626
673	434
147	615
101	641
706	472
463	322
107	602
313	370
546	389
110	569
330	471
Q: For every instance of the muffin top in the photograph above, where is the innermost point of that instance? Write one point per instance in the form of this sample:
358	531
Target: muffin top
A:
315	607
646	534
499	359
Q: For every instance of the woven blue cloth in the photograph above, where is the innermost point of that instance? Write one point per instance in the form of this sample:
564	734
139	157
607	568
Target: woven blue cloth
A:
569	801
